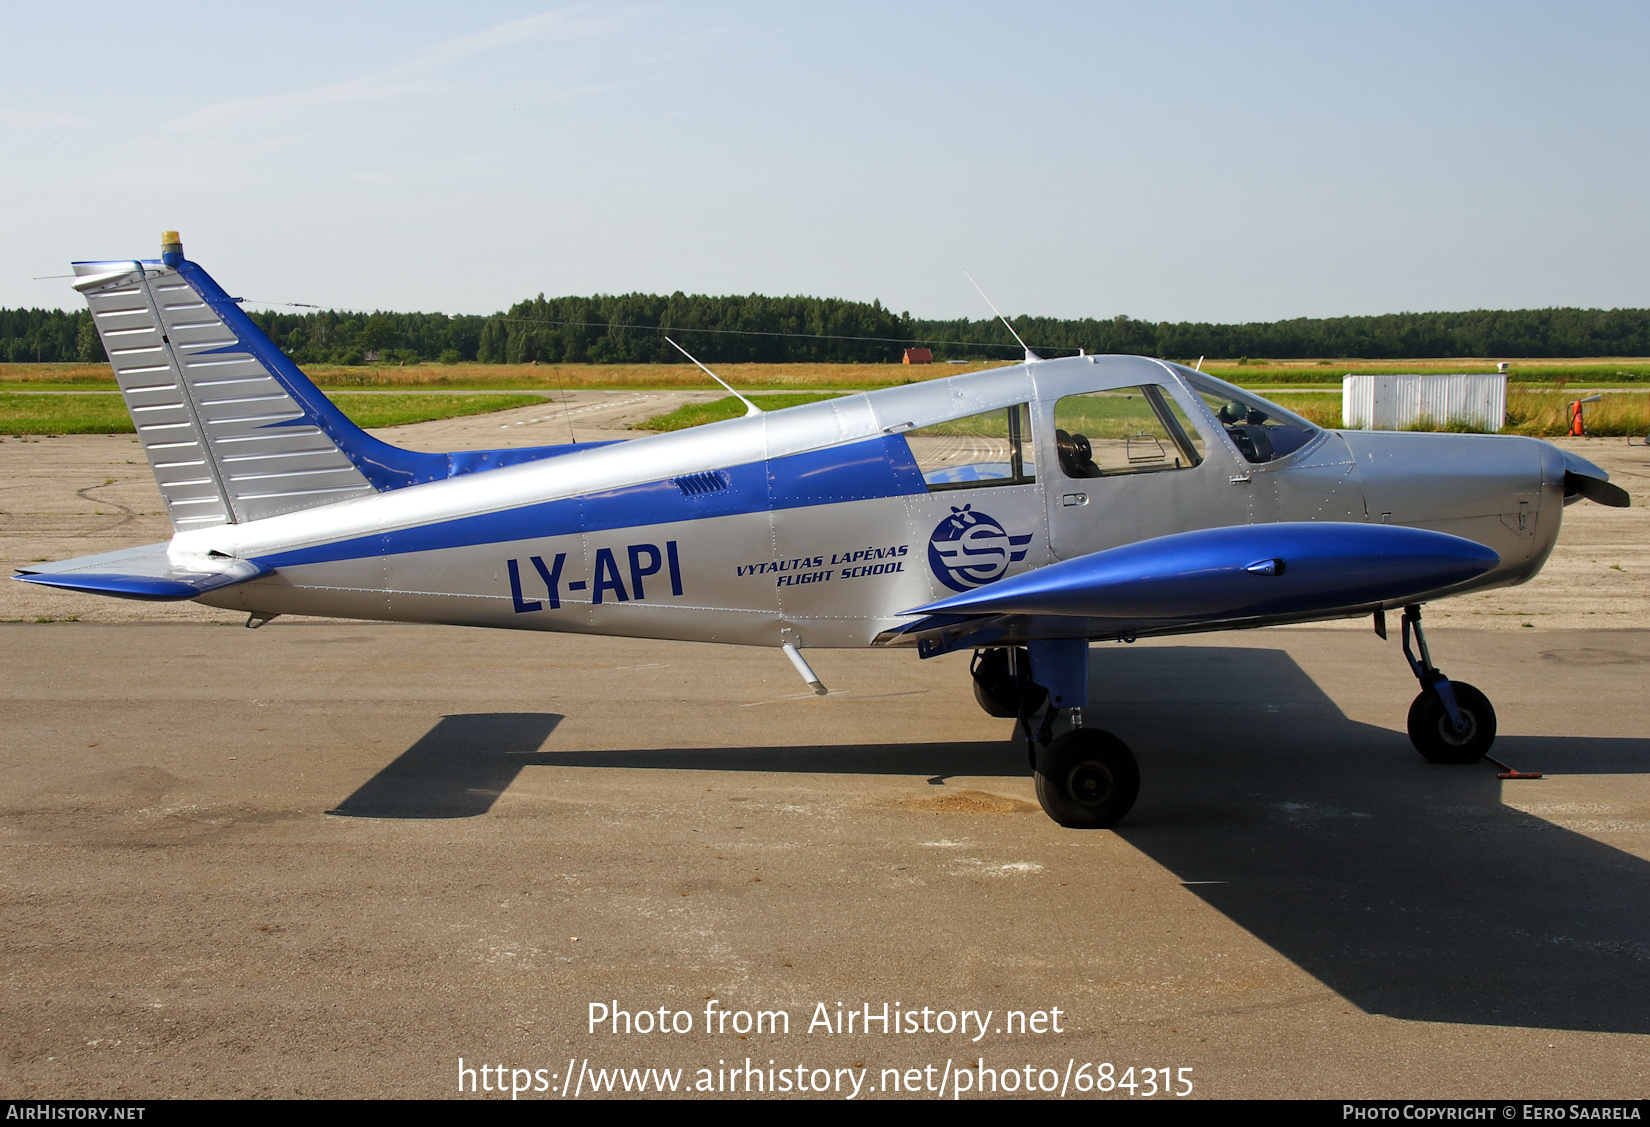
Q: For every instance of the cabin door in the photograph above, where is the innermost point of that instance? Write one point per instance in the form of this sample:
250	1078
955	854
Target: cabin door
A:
1131	463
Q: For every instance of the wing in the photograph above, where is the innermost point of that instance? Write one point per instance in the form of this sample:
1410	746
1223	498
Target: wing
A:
1214	578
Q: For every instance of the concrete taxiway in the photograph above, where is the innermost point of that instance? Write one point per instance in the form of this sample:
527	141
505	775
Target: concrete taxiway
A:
325	859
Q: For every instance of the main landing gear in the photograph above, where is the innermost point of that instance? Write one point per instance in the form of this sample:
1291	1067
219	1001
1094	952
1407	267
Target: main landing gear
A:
1450	721
1086	778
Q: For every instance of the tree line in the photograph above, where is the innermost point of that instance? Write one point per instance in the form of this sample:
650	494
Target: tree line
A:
631	329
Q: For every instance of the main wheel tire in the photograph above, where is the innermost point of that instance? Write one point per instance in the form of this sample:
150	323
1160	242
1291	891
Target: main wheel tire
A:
993	705
1087	779
998	692
1435	737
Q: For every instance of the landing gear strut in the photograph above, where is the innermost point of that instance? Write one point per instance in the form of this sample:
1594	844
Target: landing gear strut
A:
1086	778
1450	721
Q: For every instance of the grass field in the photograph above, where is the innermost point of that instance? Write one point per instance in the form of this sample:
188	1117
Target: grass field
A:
1604	371
1546	413
697	414
1117	415
1537	404
1322	407
1590	372
106	414
550	377
1539	412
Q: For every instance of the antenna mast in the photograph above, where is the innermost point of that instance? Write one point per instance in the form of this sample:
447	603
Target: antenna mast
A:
1030	355
750	408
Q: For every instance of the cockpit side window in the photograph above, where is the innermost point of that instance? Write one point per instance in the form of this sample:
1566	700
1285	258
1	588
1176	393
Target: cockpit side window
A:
991	448
1124	430
1262	431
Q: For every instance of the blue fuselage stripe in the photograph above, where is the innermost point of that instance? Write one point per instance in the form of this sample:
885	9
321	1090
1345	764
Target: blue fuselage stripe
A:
860	471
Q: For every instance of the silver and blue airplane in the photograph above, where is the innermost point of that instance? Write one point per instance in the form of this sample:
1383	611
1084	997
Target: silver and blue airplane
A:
1020	513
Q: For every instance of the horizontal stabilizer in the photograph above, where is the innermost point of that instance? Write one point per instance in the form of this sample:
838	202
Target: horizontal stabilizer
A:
144	573
1250	571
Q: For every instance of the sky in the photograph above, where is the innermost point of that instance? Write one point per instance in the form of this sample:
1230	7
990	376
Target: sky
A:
1200	161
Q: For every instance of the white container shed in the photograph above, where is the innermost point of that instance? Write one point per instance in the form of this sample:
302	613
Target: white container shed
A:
1394	402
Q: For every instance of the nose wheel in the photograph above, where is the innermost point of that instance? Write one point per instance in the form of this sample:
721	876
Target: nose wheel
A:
1435	735
1450	721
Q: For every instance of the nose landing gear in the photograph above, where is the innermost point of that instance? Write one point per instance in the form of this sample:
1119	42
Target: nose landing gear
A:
1450	721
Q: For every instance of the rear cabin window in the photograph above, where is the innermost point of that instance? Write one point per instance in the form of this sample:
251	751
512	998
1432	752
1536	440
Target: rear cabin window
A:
1125	430
991	448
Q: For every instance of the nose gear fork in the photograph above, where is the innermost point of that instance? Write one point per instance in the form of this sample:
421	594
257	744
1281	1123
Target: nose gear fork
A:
1450	721
1431	678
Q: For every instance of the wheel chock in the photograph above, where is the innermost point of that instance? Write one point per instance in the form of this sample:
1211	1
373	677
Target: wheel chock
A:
1512	772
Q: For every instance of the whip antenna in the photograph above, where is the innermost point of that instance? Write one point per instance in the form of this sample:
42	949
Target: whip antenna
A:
1030	355
750	408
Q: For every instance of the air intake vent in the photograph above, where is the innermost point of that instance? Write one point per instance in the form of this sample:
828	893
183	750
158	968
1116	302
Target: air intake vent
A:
697	484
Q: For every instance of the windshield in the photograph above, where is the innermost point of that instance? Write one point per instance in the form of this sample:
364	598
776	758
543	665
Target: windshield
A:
1261	431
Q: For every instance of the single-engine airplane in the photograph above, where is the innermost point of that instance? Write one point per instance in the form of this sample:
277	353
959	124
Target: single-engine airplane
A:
1020	513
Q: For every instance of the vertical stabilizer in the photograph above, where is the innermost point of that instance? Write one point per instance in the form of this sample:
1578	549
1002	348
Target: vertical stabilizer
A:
233	430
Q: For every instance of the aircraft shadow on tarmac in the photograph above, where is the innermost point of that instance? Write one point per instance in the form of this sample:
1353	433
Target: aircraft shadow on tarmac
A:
456	770
1410	889
460	767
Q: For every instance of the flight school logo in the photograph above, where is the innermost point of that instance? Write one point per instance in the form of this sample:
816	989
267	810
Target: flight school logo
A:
970	549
